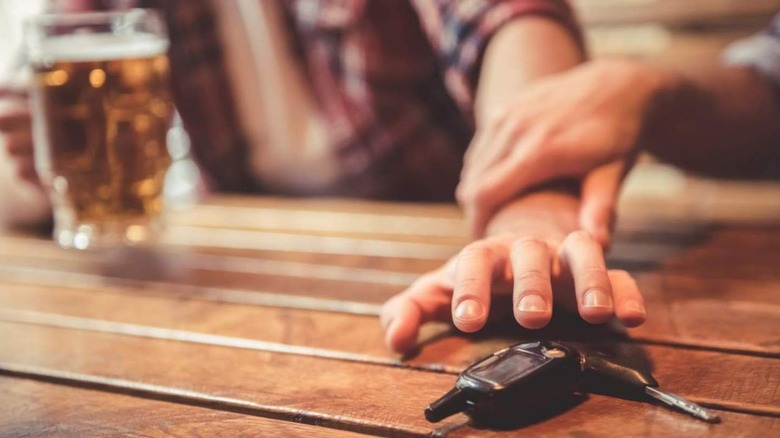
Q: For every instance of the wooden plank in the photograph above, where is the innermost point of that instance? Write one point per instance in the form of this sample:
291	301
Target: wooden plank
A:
668	298
363	397
360	338
738	315
402	223
35	408
42	409
14	248
353	206
364	219
695	255
706	201
683	309
603	417
352	395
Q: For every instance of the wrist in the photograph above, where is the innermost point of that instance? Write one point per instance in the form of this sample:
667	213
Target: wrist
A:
548	214
650	92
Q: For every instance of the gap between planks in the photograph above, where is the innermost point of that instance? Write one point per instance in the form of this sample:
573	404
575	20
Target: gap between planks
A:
197	399
166	334
46	278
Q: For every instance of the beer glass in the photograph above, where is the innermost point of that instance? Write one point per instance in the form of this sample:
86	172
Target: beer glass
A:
101	108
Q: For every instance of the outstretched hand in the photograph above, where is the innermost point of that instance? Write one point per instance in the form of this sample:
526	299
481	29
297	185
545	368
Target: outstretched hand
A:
538	266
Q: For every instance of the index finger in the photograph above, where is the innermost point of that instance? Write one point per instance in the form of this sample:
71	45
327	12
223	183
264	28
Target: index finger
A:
471	292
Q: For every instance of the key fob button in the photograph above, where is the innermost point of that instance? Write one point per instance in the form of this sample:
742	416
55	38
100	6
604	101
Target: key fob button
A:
554	353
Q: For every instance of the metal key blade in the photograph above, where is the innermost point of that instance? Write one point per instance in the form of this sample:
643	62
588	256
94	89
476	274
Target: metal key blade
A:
680	403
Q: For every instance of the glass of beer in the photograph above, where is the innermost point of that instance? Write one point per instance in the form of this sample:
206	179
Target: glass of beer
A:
101	108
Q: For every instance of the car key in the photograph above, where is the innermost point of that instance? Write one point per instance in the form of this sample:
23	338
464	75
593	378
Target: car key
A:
525	376
601	375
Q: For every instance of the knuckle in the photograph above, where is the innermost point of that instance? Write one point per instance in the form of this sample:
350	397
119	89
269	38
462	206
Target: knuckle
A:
594	270
534	276
579	237
476	250
529	243
468	284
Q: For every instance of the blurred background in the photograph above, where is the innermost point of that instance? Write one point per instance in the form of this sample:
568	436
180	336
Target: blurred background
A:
665	32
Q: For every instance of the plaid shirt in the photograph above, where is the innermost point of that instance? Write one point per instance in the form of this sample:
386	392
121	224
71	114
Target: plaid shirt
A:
394	79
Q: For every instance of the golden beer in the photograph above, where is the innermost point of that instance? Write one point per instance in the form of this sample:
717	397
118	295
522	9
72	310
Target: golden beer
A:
101	107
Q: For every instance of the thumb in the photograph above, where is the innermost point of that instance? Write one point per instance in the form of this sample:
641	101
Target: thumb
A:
600	190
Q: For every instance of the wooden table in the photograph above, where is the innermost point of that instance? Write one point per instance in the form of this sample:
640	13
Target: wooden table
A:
258	318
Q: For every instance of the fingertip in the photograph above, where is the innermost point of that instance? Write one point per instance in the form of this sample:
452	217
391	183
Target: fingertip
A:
632	314
469	316
597	306
533	311
633	320
533	320
629	303
596	316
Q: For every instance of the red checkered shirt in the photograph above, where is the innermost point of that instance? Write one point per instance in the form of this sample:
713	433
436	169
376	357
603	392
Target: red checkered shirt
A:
394	79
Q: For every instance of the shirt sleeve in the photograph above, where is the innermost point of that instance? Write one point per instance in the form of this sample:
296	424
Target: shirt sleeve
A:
761	52
459	31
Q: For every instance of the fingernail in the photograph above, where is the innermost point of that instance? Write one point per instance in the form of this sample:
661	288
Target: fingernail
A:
532	303
596	298
468	310
636	306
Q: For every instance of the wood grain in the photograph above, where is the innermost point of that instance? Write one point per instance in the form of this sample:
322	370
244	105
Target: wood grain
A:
351	395
356	396
40	409
357	338
278	324
683	309
604	417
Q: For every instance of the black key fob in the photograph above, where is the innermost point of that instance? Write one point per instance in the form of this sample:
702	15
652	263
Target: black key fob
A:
529	379
500	386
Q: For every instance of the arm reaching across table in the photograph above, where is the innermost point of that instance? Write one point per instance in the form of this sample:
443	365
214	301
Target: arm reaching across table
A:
588	123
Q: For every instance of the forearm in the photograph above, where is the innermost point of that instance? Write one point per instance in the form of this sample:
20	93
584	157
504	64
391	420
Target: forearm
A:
721	121
525	49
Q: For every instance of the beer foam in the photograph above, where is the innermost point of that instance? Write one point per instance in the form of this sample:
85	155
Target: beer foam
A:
98	47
